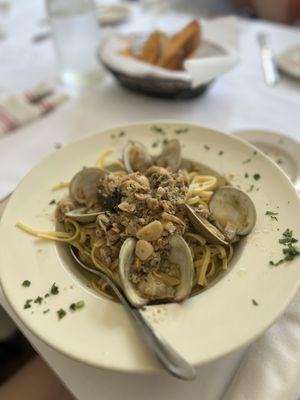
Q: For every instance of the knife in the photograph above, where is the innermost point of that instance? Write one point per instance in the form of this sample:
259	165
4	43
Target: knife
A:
268	59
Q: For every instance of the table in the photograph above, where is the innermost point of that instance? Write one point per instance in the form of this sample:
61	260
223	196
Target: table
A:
239	99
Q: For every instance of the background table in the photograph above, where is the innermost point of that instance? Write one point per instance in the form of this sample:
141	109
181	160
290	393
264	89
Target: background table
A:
239	99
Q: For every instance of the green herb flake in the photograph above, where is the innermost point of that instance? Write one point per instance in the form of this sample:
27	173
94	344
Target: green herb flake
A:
61	313
38	300
255	152
180	131
279	162
122	133
221	152
46	295
77	305
165	142
247	161
289	251
46	311
155	144
250	189
206	147
254	302
54	289
27	304
256	177
158	129
26	283
246	175
52	202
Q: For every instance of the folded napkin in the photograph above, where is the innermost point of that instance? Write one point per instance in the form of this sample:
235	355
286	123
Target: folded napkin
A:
221	31
18	110
270	369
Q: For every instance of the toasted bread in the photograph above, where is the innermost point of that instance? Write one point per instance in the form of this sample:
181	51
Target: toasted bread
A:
180	46
152	49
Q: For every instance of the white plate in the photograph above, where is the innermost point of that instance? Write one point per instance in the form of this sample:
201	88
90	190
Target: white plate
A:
289	62
112	14
207	326
282	149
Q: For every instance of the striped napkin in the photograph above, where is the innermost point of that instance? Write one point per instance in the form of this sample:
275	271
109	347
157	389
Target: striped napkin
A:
18	110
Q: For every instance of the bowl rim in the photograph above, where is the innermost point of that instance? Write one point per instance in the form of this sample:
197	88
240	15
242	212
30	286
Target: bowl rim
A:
149	369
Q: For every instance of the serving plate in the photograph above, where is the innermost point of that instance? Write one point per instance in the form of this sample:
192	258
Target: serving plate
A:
289	62
230	314
282	149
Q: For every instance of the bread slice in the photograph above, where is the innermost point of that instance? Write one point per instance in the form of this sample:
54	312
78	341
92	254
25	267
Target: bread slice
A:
180	46
152	49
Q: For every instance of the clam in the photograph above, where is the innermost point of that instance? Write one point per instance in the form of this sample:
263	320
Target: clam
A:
233	213
136	157
205	228
233	210
83	215
179	254
170	155
83	186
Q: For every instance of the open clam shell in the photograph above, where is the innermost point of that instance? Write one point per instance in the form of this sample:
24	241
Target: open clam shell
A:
205	228
232	208
170	155
179	254
136	157
83	186
233	213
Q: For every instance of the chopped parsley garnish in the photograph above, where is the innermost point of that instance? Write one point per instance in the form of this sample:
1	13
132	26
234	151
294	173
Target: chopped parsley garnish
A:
254	302
254	153
250	188
38	300
279	162
157	129
155	144
61	313
122	133
46	295
206	147
77	305
182	130
287	237
165	141
52	202
54	289
246	175
27	304
247	161
289	251
46	311
221	152
26	283
256	177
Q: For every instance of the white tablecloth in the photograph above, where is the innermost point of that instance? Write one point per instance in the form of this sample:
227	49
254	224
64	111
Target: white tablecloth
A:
238	100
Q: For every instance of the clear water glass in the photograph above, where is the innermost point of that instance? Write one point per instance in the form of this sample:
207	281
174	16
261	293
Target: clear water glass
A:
76	35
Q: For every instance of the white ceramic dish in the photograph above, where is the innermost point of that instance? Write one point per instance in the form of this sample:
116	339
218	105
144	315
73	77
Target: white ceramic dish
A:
112	14
282	149
289	62
207	326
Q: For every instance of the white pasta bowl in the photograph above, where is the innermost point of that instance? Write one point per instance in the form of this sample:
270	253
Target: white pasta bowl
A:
234	311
